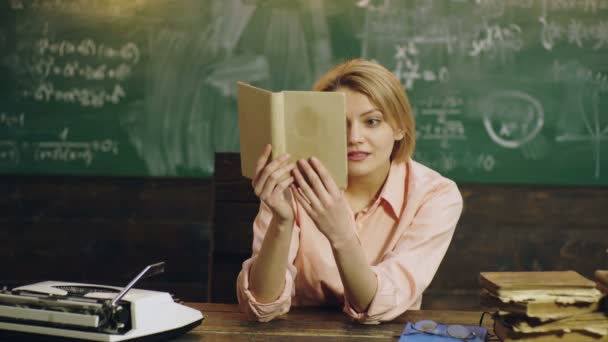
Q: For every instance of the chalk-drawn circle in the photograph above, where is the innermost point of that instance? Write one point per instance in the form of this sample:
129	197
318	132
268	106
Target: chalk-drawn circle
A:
512	118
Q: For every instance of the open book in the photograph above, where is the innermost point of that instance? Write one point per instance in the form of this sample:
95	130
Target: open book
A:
301	123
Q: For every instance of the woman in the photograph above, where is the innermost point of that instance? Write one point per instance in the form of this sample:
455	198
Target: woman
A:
372	248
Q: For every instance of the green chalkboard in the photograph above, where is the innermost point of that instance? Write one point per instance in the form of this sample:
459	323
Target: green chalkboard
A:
504	91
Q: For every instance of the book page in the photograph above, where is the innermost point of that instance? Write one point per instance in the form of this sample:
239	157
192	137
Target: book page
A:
315	125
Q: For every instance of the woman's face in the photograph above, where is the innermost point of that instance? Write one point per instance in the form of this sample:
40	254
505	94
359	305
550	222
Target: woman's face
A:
370	138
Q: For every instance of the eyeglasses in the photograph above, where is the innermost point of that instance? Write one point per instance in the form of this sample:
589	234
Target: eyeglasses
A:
433	328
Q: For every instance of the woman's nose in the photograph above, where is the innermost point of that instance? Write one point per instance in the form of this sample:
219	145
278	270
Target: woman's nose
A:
354	133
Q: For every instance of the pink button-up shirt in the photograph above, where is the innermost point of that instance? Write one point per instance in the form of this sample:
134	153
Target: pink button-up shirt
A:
404	233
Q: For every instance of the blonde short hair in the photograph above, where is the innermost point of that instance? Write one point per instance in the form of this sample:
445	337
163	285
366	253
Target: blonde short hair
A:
383	90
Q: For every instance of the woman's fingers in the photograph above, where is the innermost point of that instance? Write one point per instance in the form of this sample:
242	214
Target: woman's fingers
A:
262	176
306	190
325	176
282	186
314	181
299	190
261	162
267	184
303	201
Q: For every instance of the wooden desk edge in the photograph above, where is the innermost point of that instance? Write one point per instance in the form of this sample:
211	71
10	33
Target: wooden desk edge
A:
443	316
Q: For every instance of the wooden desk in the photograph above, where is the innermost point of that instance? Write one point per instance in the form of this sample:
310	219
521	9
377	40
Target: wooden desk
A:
224	322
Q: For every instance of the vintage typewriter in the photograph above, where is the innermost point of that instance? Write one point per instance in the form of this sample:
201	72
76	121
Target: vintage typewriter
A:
65	311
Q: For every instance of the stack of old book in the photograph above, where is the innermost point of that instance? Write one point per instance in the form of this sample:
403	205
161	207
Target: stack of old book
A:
544	306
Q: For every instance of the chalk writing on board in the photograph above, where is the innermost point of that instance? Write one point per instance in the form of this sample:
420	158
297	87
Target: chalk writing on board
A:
486	162
591	6
46	67
86	97
371	4
56	59
128	52
384	28
582	119
438	119
496	8
572	72
441	131
494	38
574	33
9	153
512	118
408	70
595	133
95	7
441	101
446	161
12	119
64	150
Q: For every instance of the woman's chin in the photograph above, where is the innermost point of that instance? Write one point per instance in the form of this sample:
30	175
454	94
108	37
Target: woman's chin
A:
356	170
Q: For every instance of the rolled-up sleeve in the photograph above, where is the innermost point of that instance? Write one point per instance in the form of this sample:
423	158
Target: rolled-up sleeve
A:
255	310
406	271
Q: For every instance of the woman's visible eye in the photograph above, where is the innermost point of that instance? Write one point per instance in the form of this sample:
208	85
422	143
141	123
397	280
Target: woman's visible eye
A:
373	122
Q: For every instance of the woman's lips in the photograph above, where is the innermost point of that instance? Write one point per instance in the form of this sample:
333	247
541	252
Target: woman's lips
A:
357	156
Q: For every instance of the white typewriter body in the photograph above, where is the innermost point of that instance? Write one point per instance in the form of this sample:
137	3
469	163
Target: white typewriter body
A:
48	309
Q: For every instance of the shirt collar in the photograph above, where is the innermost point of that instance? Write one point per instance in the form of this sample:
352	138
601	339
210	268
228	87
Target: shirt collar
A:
393	191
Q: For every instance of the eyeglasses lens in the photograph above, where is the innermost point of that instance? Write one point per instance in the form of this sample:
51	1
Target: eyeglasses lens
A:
426	326
458	331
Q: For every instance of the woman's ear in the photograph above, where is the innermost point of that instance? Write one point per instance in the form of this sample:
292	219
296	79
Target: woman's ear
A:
399	135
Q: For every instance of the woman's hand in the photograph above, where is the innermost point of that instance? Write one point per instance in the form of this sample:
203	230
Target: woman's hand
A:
323	201
271	182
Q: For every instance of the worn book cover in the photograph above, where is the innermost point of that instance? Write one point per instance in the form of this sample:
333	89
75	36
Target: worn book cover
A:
301	123
542	308
533	279
544	282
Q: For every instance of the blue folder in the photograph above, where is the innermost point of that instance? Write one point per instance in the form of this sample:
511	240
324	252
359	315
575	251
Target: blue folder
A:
410	334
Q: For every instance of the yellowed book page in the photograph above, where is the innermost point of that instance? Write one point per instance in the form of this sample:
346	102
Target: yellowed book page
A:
254	107
315	125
